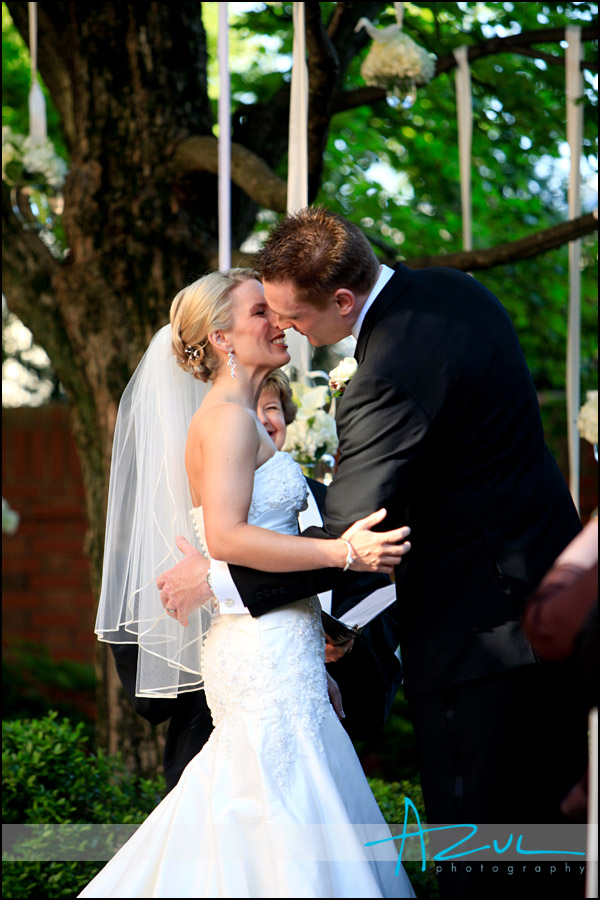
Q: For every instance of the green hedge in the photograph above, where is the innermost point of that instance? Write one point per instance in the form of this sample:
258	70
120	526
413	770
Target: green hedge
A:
33	683
49	775
390	797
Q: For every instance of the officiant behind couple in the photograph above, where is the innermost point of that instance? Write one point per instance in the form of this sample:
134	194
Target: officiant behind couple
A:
367	671
276	803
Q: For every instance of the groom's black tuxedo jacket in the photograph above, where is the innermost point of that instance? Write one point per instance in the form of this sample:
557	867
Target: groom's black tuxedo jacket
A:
440	425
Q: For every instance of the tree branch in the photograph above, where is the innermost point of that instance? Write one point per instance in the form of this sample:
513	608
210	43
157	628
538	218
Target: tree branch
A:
248	170
323	73
346	40
512	43
252	174
475	260
513	251
551	60
29	277
27	264
329	53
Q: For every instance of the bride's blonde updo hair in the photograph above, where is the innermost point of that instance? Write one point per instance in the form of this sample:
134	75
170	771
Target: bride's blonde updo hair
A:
202	307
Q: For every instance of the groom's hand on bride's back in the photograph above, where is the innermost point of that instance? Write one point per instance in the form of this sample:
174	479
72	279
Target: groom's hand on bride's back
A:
183	588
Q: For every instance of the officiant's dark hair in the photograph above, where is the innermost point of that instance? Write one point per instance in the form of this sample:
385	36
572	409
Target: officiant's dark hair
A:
319	252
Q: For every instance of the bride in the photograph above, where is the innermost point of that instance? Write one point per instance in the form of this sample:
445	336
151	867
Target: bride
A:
276	803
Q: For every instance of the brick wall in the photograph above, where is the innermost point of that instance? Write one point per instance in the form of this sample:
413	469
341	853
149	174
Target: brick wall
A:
46	596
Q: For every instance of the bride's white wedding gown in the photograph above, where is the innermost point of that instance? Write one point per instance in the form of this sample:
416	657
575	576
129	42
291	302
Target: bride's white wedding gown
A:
276	803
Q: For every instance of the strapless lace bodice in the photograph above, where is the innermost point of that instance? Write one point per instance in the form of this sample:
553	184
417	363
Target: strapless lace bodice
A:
279	494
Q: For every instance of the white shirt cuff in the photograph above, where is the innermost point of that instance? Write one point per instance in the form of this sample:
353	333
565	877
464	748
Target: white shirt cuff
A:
225	590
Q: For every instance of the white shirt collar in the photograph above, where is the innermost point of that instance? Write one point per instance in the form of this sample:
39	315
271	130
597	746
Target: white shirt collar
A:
385	273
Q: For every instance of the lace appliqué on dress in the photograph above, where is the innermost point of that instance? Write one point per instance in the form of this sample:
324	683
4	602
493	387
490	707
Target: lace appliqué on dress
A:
278	484
244	678
249	667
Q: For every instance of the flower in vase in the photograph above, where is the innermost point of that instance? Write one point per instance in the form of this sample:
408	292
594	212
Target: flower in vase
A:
313	434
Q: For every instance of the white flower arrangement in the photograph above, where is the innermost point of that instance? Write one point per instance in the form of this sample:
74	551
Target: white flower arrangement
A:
587	420
394	61
10	518
313	434
25	160
341	375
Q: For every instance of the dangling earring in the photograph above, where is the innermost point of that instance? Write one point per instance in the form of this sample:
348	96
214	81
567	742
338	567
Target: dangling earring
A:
230	362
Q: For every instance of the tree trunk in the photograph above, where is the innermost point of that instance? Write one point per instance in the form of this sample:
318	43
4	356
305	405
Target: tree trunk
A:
136	233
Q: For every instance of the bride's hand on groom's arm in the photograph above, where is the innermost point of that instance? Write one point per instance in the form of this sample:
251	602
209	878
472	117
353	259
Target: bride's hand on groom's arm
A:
183	588
376	551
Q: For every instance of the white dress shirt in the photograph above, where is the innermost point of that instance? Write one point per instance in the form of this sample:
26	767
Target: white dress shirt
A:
385	273
223	587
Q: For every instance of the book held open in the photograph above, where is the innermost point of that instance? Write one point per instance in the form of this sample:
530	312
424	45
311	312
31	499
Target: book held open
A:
351	623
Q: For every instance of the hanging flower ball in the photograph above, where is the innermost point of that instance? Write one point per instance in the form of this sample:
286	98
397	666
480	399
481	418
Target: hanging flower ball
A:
26	160
395	62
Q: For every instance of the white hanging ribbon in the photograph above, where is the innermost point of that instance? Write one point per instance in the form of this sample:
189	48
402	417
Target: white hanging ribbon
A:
38	130
574	90
224	117
464	114
591	857
297	185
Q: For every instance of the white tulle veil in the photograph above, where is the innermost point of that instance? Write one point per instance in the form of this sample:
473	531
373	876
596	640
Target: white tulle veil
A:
149	504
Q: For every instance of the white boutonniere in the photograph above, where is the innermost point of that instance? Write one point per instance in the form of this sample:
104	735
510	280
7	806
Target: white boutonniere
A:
341	375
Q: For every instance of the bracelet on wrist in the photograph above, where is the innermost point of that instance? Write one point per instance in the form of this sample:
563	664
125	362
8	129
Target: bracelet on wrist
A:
350	555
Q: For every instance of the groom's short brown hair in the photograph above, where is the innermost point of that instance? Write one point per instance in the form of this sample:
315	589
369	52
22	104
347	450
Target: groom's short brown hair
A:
319	252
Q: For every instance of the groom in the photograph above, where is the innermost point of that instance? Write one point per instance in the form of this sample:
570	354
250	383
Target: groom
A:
440	425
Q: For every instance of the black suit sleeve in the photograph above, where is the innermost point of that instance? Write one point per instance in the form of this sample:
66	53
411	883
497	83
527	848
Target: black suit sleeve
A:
264	591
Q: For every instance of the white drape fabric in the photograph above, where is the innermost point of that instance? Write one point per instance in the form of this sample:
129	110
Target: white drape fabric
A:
38	130
591	869
297	185
464	113
224	140
149	504
574	88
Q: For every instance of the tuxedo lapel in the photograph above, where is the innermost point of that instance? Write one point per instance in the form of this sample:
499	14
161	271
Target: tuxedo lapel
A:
387	295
